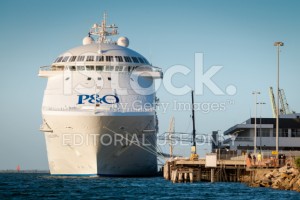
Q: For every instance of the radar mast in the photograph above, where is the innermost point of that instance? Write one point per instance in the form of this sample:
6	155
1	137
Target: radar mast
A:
102	30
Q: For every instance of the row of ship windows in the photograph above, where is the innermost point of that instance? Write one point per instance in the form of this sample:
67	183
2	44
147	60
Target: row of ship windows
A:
127	59
100	68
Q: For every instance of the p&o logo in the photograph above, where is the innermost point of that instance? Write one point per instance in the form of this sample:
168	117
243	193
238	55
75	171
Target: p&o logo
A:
95	98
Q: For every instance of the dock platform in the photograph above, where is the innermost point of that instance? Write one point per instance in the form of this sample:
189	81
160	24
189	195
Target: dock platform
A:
185	170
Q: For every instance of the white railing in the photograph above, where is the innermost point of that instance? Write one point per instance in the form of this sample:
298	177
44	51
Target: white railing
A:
97	109
148	69
138	69
52	68
45	68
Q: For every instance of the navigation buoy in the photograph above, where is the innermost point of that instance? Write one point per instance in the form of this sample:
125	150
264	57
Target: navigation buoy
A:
18	168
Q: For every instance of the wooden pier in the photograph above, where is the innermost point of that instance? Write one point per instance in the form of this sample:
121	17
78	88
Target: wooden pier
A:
184	170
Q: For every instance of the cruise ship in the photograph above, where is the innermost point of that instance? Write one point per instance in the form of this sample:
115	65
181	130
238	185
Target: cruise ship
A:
98	109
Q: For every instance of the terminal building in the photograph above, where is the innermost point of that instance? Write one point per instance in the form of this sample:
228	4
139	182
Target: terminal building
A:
241	136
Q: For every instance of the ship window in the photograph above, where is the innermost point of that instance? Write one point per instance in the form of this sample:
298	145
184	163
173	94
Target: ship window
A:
141	60
59	59
65	59
99	78
146	61
109	58
99	68
119	68
109	68
99	58
72	68
89	78
57	68
80	68
119	58
89	68
135	60
72	59
80	58
90	58
109	78
127	59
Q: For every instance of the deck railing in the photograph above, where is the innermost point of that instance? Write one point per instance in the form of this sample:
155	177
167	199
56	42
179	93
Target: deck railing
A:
138	69
97	109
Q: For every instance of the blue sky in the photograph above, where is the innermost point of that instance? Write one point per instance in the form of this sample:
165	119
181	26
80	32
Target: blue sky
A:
237	35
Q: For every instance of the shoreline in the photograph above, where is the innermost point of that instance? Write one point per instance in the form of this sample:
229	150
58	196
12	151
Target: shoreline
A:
284	178
33	171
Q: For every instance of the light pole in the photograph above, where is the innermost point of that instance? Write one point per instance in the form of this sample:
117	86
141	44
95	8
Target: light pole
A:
260	103
278	45
255	93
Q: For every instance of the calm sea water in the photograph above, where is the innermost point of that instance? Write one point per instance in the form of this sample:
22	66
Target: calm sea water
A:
33	186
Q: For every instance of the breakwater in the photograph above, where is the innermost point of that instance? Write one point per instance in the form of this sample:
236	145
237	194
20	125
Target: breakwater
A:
284	178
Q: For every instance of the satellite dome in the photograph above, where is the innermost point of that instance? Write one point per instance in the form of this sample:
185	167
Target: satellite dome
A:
87	40
123	41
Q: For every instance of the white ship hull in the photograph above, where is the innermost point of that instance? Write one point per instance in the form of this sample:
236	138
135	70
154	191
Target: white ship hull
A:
98	109
101	145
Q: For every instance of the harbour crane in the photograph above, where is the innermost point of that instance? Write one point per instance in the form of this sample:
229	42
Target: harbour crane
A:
284	106
273	104
170	135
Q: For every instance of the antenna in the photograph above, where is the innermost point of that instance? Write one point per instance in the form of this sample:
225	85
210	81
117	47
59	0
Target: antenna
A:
102	30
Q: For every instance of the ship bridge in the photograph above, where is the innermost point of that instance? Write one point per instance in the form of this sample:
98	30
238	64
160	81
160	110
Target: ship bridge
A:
102	58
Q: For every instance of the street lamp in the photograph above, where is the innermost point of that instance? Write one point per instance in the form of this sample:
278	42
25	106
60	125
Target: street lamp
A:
255	93
278	45
260	103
